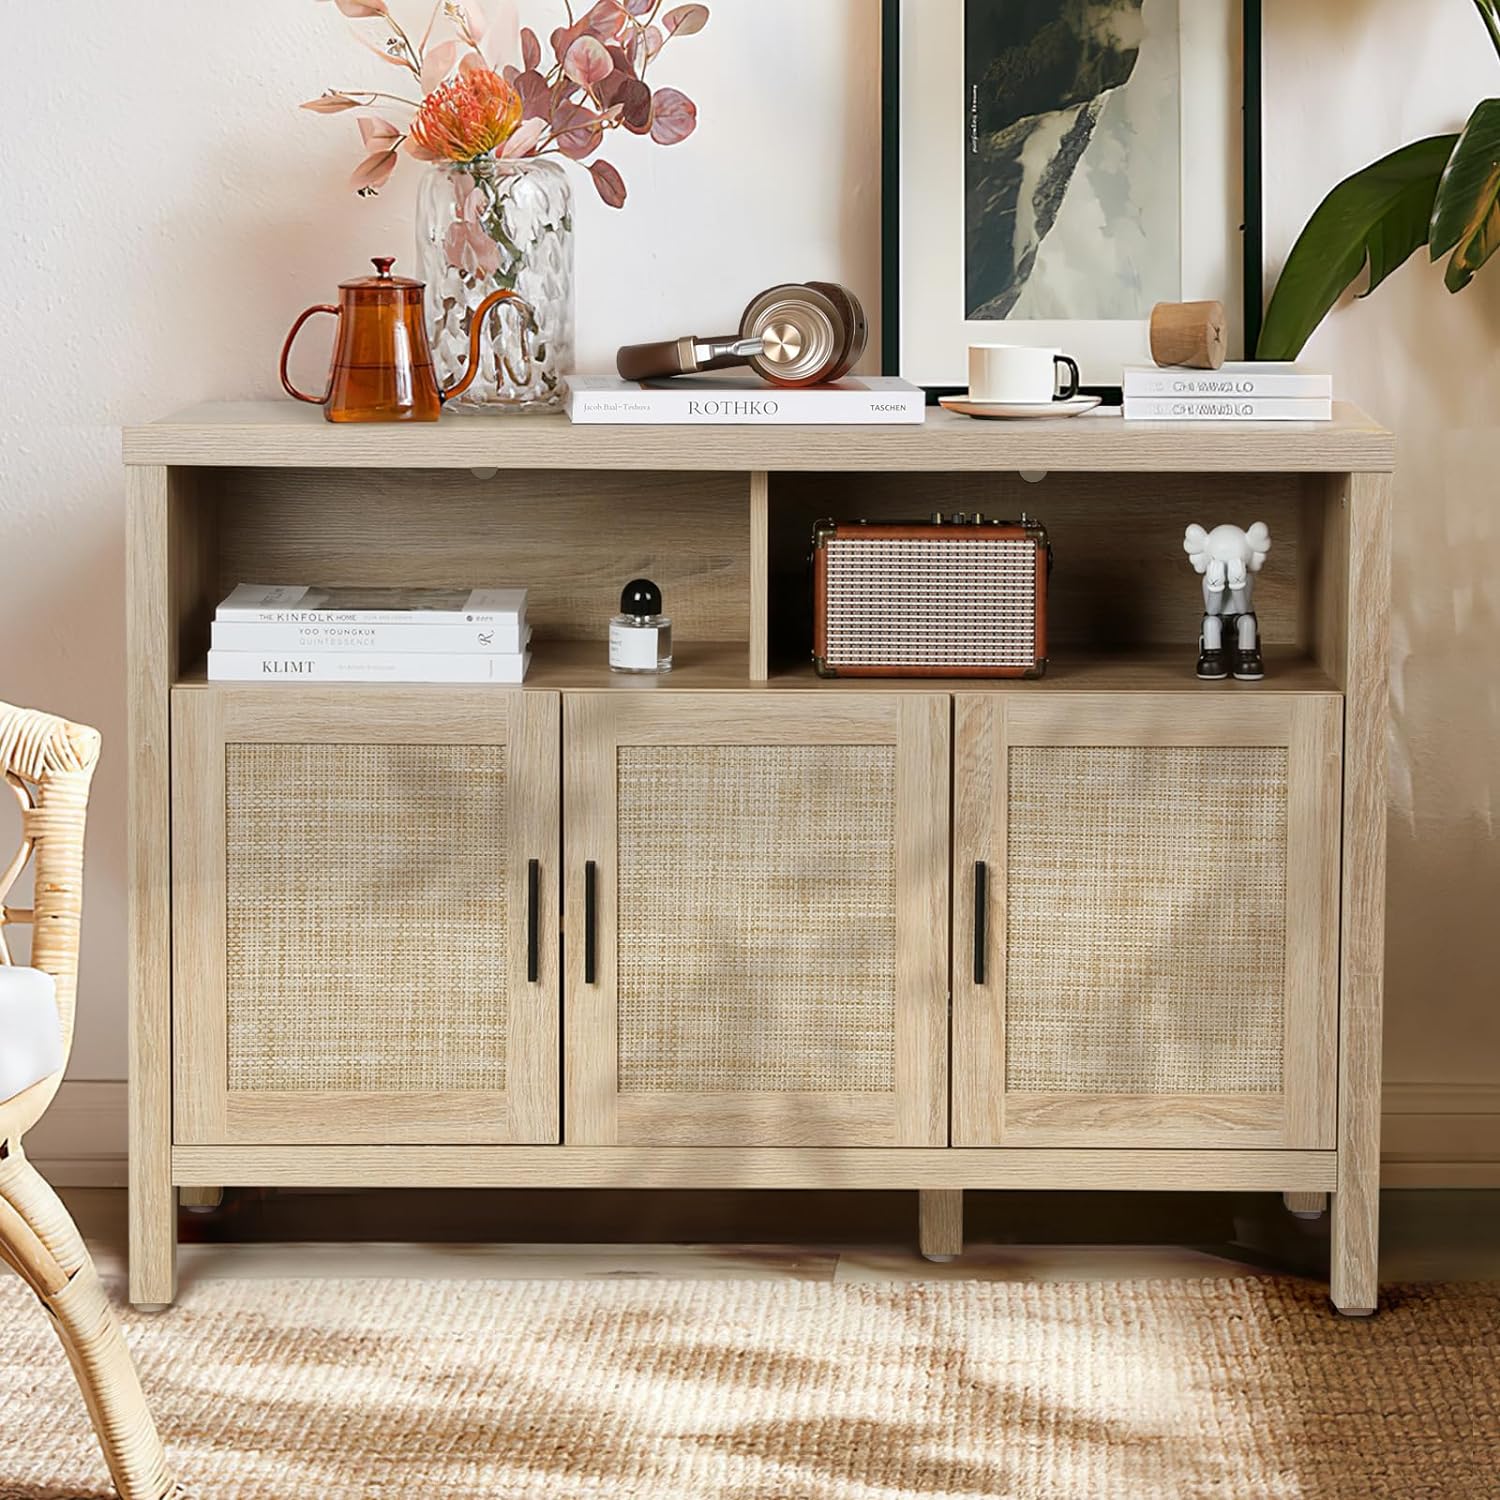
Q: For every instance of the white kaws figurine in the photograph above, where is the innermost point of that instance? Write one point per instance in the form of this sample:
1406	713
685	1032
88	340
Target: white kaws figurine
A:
1229	559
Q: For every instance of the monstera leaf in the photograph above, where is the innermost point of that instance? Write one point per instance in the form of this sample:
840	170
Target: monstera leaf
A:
1381	214
1466	218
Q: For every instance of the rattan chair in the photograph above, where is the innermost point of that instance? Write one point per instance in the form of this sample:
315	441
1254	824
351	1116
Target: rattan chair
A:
48	764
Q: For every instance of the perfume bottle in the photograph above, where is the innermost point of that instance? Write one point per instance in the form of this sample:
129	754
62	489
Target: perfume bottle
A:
640	636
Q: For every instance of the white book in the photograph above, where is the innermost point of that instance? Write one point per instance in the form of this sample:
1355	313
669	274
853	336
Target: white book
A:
320	635
1254	409
297	604
358	666
1248	378
716	401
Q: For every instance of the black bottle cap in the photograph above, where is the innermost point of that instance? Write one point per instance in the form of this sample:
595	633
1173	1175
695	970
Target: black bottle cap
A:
640	597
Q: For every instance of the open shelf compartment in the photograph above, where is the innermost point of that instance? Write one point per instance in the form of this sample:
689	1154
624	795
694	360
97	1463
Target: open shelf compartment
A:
731	553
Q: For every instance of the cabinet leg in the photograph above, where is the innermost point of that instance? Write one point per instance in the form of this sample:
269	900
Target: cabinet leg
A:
153	1241
1354	1272
1306	1205
940	1223
200	1200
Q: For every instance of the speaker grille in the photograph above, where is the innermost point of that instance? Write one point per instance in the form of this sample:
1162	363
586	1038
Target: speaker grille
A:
757	919
931	602
367	921
1147	920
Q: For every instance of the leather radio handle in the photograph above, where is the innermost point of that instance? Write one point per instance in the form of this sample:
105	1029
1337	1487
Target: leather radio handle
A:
670	357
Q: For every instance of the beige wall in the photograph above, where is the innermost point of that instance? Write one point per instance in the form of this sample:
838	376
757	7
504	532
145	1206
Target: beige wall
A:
1348	81
168	211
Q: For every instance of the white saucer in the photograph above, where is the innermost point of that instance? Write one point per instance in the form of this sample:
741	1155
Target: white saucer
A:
1016	410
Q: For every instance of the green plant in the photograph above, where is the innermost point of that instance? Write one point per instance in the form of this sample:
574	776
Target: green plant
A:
1443	192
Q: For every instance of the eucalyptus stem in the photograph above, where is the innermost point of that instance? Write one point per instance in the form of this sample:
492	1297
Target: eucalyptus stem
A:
1489	11
374	94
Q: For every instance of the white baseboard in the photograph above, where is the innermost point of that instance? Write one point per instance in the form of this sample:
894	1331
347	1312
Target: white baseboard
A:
1440	1135
81	1140
1434	1135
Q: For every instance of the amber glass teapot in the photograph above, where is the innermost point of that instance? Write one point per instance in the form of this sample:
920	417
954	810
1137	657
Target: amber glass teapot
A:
382	363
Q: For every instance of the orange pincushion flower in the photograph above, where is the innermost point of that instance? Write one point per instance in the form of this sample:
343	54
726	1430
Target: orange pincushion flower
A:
473	113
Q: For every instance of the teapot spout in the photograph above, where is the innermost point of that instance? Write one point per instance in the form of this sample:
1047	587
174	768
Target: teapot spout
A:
476	333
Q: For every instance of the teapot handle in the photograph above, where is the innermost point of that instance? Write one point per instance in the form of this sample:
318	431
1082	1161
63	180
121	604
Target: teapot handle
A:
286	349
476	332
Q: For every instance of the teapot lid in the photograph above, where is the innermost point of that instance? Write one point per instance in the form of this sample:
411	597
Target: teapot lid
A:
382	280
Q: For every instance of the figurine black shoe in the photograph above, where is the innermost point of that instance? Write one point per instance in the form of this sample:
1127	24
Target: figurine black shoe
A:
1248	666
1213	666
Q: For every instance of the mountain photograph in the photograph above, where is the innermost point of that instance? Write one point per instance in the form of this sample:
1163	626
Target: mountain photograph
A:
1073	159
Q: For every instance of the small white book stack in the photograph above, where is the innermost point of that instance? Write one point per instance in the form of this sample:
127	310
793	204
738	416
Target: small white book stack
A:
303	633
1253	391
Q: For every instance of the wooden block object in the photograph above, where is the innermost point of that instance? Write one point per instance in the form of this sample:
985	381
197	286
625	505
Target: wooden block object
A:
1195	334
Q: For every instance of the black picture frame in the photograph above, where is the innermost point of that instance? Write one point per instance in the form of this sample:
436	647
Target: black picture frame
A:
1253	227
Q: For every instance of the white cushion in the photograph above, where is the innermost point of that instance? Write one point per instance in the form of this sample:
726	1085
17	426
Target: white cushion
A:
31	1046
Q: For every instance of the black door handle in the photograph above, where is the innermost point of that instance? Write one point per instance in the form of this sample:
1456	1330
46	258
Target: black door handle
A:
533	919
981	917
590	918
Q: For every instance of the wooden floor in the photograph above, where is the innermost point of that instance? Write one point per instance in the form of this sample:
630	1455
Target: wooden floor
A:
1427	1236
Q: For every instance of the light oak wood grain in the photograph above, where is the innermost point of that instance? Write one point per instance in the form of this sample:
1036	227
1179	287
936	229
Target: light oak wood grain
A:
208	1111
719	667
914	1113
980	807
1144	669
1326	584
149	501
1366	632
784	1119
760	602
747	1166
200	1023
1120	577
923	779
1145	720
1146	1120
273	1117
591	1077
191	582
1301	1114
721	518
940	1223
282	434
748	718
571	539
1315	774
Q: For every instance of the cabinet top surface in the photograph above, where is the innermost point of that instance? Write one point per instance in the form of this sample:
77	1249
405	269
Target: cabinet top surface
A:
282	434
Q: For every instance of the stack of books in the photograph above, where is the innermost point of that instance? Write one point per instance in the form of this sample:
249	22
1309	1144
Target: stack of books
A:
1256	391
298	633
737	401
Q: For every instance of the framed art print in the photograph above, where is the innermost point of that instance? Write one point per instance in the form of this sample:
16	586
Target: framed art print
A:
1055	168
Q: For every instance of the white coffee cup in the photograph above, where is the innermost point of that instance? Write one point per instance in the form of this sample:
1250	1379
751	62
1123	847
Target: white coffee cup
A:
1019	375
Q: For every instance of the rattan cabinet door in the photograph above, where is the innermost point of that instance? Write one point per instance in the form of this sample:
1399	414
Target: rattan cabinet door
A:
1146	903
365	915
757	908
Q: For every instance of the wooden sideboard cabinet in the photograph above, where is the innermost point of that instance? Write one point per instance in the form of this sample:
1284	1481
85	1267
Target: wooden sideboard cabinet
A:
742	926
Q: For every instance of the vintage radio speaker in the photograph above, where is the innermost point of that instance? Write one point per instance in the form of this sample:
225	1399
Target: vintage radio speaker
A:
960	596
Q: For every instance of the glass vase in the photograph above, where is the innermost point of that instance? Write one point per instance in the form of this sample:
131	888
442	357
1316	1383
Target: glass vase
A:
487	224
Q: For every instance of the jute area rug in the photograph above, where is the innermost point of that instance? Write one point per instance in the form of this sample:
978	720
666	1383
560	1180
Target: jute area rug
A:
1238	1390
